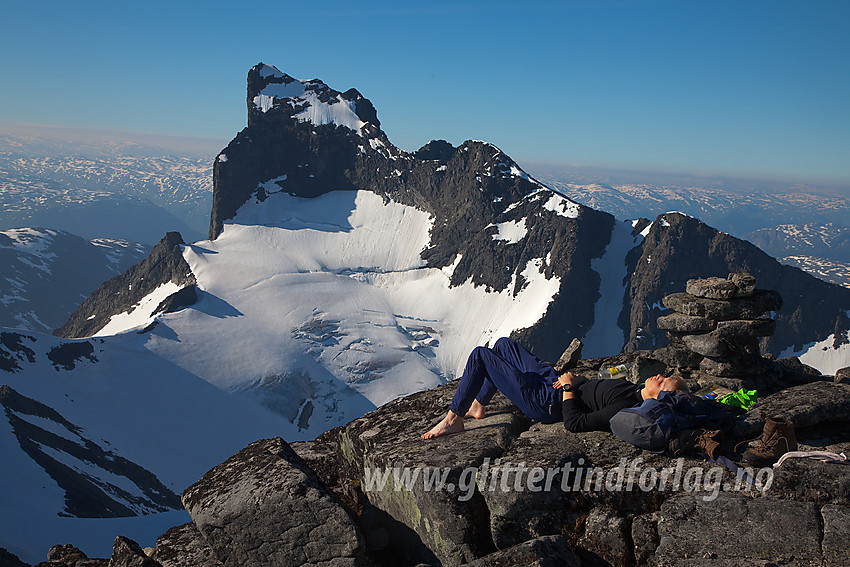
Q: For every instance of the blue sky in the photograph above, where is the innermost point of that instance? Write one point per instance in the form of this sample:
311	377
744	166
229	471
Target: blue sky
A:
741	88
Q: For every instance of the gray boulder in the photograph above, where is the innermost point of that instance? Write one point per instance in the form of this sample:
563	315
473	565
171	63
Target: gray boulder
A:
762	327
69	556
807	405
570	357
547	551
712	288
746	283
808	480
836	535
843	375
734	530
677	356
184	546
706	345
685	323
264	506
128	553
605	536
447	523
751	307
645	367
645	536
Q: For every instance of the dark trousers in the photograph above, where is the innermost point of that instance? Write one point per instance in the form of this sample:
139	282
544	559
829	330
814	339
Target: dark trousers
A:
522	377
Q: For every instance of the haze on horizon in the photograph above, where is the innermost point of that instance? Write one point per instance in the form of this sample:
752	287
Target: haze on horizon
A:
755	90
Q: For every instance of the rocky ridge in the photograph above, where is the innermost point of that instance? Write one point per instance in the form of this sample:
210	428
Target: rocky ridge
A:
509	491
125	291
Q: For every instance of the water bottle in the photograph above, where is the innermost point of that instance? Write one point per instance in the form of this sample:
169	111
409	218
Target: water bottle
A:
614	372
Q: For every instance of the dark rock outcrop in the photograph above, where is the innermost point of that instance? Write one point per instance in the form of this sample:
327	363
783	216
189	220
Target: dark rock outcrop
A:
68	354
14	350
807	405
69	556
507	491
122	293
8	559
264	506
547	551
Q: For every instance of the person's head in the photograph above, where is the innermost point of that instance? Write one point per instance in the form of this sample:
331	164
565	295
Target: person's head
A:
658	383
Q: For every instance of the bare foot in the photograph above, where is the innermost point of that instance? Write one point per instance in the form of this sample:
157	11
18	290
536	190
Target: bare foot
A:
476	410
452	423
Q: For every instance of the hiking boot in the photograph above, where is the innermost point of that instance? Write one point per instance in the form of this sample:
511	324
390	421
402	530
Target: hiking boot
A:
778	438
696	441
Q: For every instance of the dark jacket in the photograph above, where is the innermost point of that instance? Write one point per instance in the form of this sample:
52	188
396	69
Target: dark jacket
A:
597	401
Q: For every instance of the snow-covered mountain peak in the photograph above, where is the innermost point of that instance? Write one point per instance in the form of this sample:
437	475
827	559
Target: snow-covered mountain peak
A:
309	101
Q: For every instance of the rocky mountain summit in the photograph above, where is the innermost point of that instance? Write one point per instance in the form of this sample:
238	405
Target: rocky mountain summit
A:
508	491
490	219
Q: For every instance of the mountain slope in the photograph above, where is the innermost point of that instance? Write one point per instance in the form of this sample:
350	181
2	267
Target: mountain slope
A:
48	273
735	206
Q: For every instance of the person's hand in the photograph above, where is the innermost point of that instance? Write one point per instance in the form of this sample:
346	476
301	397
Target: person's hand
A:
565	379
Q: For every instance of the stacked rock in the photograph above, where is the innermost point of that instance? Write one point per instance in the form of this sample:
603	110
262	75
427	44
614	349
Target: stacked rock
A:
722	321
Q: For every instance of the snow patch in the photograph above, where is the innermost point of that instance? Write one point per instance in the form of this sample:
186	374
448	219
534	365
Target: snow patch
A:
141	315
359	257
510	231
606	337
822	355
561	205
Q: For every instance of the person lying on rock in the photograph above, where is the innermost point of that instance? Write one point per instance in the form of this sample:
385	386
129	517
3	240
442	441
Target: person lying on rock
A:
540	393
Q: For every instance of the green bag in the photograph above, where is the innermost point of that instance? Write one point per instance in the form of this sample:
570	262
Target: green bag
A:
741	399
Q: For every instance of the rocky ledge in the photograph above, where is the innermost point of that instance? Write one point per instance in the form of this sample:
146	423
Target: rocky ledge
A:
509	491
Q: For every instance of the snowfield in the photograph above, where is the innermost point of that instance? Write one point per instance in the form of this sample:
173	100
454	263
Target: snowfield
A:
328	297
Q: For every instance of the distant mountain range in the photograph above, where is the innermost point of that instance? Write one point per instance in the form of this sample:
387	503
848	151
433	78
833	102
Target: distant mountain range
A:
105	190
736	206
801	226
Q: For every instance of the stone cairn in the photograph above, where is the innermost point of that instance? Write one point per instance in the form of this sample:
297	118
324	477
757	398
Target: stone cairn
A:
722	321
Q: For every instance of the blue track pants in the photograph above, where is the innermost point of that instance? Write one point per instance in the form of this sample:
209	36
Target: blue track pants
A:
522	377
